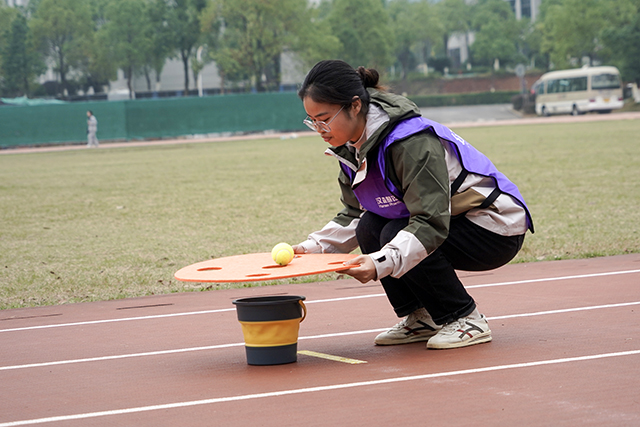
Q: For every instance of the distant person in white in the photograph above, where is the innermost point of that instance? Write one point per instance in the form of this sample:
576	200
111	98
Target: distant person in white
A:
92	129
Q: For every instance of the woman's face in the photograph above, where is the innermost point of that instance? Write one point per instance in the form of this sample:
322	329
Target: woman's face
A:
345	124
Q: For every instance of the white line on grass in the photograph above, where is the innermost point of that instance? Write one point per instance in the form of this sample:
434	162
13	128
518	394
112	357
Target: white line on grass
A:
317	389
159	316
310	337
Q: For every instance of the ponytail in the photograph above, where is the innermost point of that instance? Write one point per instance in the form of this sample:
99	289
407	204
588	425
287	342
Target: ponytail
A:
370	78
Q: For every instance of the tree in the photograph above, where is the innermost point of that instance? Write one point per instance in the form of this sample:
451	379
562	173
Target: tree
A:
7	14
623	42
532	42
161	40
184	20
21	62
250	36
572	29
497	33
454	16
402	15
97	66
128	34
363	28
313	40
217	50
414	24
63	28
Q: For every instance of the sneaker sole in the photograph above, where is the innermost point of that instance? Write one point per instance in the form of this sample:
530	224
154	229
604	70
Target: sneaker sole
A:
478	339
404	340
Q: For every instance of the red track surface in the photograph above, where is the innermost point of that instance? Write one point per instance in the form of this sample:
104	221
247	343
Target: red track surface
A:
566	352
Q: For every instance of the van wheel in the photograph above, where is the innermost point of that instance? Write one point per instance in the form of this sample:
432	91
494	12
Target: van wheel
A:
574	111
545	113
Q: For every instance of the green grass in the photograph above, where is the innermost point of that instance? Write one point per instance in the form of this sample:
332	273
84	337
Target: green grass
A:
86	225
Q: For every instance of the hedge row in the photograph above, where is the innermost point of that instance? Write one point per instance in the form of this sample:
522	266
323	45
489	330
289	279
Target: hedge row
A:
502	97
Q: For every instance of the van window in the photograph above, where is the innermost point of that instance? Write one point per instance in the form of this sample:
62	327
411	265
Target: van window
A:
574	84
538	88
578	83
605	81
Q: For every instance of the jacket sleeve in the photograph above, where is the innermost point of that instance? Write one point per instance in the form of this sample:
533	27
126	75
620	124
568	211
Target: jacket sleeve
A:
420	169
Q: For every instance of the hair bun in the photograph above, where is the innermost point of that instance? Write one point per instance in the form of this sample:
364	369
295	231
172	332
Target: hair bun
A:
369	76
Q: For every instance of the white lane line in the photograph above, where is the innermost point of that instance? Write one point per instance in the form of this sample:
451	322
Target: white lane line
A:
310	337
565	310
160	316
553	279
124	319
118	356
318	389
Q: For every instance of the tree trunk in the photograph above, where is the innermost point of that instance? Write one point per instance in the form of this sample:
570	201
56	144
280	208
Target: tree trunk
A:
129	77
445	39
148	77
185	63
63	76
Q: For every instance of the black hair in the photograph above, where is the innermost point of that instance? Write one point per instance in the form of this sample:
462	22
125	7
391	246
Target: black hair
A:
336	82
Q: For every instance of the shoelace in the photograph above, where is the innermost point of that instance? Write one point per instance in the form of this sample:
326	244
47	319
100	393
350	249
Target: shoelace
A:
405	322
453	326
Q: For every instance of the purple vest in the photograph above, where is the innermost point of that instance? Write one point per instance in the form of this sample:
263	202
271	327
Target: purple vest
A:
379	195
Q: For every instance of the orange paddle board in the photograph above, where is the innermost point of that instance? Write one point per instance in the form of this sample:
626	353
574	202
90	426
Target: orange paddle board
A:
260	266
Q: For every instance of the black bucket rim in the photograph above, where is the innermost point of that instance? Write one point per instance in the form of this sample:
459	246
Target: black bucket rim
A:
269	300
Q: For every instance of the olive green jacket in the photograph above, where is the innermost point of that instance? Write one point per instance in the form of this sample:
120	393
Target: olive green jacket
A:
416	165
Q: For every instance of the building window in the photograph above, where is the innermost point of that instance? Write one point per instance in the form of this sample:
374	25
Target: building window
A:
525	6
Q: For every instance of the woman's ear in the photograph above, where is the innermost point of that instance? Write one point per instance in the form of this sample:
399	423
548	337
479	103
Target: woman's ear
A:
356	105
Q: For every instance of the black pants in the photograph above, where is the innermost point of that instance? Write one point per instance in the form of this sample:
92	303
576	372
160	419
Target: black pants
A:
433	284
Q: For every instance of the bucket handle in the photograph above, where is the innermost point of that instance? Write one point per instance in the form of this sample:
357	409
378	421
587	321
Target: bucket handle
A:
304	310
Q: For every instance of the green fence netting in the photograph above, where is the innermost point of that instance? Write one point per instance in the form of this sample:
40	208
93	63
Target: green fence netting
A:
150	118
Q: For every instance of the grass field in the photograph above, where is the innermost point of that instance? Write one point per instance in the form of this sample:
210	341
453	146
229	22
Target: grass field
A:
86	225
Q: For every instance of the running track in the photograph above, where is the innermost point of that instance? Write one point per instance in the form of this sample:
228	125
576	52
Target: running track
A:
566	352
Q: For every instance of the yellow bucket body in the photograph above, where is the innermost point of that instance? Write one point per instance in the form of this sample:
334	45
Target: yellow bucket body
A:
272	333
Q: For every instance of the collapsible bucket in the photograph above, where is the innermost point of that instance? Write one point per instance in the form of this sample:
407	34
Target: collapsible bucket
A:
270	327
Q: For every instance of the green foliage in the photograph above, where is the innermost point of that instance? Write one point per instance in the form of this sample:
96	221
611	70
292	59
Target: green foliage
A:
626	49
160	39
414	25
314	40
6	17
127	35
496	33
454	16
63	29
246	38
362	26
572	29
183	20
21	63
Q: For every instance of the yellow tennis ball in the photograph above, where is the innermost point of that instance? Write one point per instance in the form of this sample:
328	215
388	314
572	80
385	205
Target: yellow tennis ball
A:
282	253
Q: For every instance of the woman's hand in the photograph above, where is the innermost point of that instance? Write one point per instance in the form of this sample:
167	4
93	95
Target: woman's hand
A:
297	249
364	269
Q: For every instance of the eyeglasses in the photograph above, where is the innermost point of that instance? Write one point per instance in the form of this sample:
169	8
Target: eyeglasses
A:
320	126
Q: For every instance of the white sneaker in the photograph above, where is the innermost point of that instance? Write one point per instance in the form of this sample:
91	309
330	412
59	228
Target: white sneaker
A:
462	333
418	326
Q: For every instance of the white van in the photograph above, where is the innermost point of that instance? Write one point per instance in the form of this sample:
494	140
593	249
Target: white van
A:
579	91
